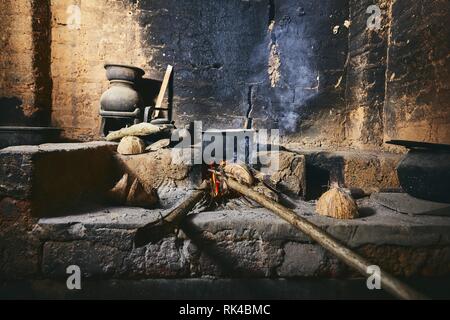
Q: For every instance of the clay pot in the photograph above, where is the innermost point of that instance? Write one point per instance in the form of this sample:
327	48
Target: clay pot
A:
121	96
424	172
123	72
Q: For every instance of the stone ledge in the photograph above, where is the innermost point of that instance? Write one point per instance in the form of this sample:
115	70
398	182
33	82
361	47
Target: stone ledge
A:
56	176
249	243
389	227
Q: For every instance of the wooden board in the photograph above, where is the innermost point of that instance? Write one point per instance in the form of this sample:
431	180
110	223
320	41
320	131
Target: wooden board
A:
162	91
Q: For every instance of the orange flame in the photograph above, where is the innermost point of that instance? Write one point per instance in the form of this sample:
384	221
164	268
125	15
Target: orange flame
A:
215	182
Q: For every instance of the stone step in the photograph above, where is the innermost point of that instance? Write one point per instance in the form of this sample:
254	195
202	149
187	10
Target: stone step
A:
246	243
53	177
368	171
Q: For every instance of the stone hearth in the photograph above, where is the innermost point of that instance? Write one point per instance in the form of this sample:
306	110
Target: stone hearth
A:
246	243
346	89
41	238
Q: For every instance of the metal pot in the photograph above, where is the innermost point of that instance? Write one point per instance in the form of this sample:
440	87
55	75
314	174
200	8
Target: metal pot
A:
232	145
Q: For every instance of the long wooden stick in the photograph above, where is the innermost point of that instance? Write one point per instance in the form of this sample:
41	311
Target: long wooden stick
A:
349	257
154	231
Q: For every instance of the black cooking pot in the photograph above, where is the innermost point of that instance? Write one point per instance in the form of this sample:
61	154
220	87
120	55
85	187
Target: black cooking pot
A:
424	172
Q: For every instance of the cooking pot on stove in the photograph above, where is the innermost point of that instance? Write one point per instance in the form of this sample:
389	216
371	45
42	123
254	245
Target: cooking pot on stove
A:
122	95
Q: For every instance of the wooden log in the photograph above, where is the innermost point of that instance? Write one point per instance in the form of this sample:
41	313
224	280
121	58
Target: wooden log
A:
139	130
349	257
240	172
155	231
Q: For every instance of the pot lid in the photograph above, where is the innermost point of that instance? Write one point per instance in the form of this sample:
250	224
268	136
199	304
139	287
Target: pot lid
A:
420	145
141	71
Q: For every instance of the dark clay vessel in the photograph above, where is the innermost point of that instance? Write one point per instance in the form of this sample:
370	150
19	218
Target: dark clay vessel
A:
123	72
424	172
121	95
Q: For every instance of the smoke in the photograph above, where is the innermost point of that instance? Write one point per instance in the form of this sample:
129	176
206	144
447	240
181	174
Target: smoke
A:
289	121
284	75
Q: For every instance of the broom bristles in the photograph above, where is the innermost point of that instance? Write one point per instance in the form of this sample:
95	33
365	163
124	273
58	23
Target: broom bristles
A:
338	204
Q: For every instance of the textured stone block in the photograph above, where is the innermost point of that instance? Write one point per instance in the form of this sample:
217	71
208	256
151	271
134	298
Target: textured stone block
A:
287	170
93	259
56	177
365	170
244	243
155	170
300	258
16	172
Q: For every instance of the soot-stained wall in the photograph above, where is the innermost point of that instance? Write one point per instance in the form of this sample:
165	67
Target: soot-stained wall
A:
85	35
311	68
279	59
366	70
418	76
